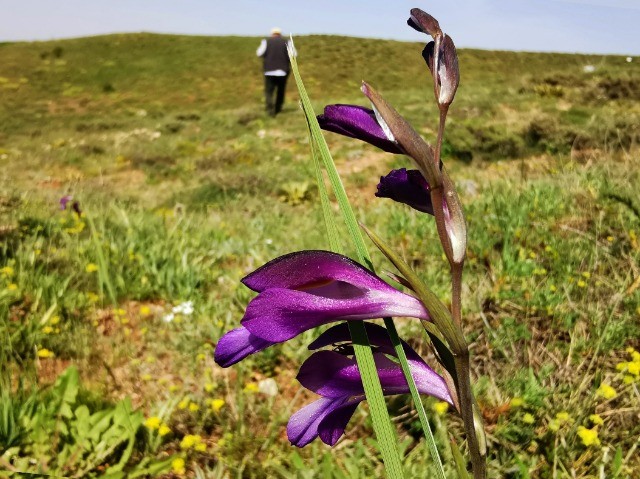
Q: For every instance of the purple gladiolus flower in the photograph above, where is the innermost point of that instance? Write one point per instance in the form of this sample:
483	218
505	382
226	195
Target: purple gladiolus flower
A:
408	187
306	289
360	123
64	200
75	205
335	377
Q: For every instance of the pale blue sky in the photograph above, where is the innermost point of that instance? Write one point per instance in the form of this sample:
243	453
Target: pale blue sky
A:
587	26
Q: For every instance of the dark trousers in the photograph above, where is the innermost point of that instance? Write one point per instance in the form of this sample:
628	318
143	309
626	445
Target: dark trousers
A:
274	88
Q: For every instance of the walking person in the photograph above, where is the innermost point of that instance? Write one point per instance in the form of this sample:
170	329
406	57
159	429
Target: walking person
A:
273	51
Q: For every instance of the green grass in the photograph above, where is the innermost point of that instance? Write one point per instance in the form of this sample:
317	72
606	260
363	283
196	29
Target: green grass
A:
190	187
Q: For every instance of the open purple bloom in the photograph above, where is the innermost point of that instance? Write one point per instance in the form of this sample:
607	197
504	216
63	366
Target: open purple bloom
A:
336	378
306	289
360	123
408	187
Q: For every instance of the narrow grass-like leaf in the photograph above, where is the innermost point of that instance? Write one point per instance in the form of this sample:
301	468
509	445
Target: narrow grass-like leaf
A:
459	461
364	357
373	390
103	271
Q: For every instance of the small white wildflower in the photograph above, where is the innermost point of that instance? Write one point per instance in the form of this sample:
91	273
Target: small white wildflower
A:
588	68
629	59
167	318
185	308
268	387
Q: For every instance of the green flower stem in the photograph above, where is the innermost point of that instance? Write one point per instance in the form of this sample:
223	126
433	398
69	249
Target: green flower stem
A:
465	395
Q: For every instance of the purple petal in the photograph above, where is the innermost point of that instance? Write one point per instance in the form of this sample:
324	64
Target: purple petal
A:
332	426
357	122
378	336
278	314
237	345
64	200
408	187
306	270
303	425
331	374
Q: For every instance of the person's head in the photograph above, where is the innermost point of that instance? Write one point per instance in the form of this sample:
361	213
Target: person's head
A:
276	32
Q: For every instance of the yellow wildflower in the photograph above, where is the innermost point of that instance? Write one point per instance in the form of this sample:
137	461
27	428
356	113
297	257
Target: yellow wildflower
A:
554	425
563	416
44	353
12	286
528	418
441	408
184	404
586	274
193	407
173	388
628	379
610	239
553	288
596	419
177	466
146	377
516	402
200	447
91	268
145	310
216	404
153	422
163	430
189	441
201	357
47	330
7	272
209	387
251	388
532	255
606	391
54	320
589	437
93	297
581	284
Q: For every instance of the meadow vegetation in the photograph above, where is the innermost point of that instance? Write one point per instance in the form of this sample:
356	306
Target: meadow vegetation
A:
108	320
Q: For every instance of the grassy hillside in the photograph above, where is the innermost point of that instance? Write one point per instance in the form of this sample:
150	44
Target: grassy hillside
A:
186	186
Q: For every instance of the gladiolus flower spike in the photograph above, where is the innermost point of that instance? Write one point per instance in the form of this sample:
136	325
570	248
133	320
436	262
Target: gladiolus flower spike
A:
334	375
300	291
